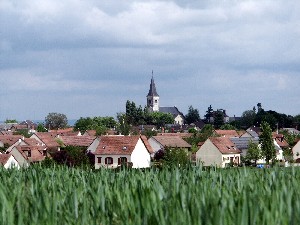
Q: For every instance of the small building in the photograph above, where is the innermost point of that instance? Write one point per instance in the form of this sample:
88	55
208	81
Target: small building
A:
8	161
113	151
218	151
296	152
26	155
169	140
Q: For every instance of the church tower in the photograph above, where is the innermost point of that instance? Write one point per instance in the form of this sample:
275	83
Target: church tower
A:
153	97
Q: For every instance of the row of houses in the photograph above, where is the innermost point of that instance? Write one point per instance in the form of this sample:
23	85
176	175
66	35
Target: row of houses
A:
226	147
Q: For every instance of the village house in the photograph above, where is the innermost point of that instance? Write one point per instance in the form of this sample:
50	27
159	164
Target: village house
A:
26	155
49	139
8	161
296	152
218	151
160	142
80	141
113	151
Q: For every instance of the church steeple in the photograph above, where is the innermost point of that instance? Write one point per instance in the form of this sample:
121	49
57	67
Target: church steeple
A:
152	97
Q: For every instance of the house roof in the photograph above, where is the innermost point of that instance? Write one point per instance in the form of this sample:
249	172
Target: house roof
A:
4	158
119	145
6	132
90	133
171	141
36	152
10	139
279	138
243	142
172	110
227	133
47	138
182	135
225	145
83	141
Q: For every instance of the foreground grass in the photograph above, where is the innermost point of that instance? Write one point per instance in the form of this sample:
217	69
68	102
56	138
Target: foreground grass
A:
174	196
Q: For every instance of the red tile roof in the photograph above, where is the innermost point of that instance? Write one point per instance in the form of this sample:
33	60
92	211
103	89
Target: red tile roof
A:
83	141
224	145
116	145
146	143
4	158
172	141
227	133
36	152
10	139
182	135
49	139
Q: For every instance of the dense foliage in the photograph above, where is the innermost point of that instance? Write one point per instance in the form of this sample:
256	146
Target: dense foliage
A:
100	124
171	196
192	116
56	121
266	142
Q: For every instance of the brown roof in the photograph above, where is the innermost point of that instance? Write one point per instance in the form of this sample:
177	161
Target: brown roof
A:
90	133
36	152
117	145
227	133
83	141
31	141
224	145
48	138
279	138
182	135
4	158
10	139
172	141
146	143
6	132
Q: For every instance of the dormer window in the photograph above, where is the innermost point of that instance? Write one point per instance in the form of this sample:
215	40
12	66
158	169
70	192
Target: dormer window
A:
124	148
29	153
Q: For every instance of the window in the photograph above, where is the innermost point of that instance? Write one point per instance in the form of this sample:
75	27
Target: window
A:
99	159
109	160
155	101
44	153
29	153
122	160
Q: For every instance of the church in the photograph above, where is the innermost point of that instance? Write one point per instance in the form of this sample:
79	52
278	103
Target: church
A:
153	105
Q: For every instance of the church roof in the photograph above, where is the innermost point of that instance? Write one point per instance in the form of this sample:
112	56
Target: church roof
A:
173	110
152	90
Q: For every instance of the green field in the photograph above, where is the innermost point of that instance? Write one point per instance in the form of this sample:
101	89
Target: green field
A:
169	196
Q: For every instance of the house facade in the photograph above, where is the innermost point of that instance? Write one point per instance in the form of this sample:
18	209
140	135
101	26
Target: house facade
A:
218	151
8	161
172	141
113	151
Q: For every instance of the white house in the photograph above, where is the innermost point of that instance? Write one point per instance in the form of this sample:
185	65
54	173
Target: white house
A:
173	141
8	161
112	151
296	152
218	151
25	155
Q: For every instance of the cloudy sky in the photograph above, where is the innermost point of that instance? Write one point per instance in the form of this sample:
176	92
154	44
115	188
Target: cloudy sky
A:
87	57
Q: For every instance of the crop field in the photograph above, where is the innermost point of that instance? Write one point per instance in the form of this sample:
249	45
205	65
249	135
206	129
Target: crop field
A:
169	196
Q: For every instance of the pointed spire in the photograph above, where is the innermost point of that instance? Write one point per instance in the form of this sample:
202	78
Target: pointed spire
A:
152	90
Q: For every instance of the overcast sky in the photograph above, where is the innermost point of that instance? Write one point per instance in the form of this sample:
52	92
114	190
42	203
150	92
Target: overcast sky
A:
87	57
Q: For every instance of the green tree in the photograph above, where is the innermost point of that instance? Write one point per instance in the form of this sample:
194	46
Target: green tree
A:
56	120
10	121
192	116
209	114
72	156
266	142
123	126
175	157
227	127
160	119
248	118
41	128
218	119
254	152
